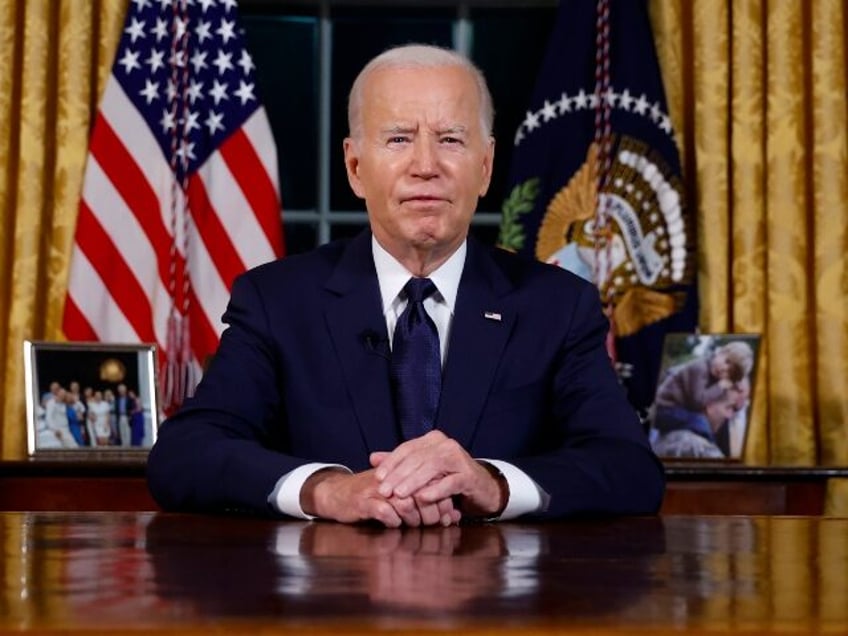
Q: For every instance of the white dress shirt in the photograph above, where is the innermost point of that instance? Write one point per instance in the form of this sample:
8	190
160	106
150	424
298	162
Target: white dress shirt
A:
524	494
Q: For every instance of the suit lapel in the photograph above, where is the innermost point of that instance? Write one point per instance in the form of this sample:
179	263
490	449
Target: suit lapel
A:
481	327
354	318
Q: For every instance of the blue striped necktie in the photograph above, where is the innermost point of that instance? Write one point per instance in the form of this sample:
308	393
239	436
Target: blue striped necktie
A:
416	362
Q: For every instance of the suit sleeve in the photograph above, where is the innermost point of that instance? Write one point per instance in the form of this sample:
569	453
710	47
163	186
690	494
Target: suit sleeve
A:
214	454
600	461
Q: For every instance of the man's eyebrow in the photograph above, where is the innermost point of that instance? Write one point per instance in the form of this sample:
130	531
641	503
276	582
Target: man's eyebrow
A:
459	129
397	129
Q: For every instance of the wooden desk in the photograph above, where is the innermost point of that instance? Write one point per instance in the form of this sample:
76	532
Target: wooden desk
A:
724	488
693	488
119	572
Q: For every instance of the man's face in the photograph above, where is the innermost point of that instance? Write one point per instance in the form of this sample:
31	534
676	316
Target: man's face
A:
421	160
720	366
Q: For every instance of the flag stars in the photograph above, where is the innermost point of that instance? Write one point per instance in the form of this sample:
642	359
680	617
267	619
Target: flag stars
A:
625	100
205	4
185	151
531	121
171	90
198	60
160	30
245	92
150	91
195	91
156	60
641	105
246	62
190	122
214	122
129	61
549	111
229	5
181	27
223	61
582	100
178	59
227	30
218	91
135	30
168	121
203	31
656	113
519	135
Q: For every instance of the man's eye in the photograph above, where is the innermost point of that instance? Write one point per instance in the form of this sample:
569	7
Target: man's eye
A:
398	139
451	140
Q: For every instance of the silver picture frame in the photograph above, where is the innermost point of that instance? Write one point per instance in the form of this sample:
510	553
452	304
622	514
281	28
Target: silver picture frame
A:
90	400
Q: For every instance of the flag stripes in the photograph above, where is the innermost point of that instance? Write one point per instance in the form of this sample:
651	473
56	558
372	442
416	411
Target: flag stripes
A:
180	192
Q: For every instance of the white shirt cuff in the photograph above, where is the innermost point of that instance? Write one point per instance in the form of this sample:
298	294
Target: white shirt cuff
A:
525	495
286	494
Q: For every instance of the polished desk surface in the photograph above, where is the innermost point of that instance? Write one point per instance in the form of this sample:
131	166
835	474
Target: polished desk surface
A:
121	572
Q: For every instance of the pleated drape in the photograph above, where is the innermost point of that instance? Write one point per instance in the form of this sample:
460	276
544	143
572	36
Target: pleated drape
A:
757	91
55	56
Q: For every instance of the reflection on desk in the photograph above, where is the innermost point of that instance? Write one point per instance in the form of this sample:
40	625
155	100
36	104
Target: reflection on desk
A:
68	572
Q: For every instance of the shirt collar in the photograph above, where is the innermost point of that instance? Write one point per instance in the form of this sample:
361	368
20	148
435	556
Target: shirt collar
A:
392	276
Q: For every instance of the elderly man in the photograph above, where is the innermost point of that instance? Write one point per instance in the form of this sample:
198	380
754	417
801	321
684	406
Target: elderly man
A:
410	376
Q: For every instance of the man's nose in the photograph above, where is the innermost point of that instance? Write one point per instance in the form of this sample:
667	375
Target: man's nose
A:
424	159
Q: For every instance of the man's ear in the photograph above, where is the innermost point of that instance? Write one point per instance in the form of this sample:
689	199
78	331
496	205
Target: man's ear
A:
351	159
488	166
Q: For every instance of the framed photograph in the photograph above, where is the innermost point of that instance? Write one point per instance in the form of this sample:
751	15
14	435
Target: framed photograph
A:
90	400
704	393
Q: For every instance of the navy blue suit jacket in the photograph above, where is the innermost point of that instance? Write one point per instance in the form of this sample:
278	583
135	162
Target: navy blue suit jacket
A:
302	374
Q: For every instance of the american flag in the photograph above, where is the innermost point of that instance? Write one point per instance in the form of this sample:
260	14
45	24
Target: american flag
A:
180	191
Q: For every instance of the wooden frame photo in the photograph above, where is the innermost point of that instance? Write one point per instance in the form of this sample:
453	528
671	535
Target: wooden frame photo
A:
90	400
703	398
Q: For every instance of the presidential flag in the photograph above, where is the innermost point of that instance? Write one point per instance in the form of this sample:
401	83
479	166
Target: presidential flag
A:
180	189
595	182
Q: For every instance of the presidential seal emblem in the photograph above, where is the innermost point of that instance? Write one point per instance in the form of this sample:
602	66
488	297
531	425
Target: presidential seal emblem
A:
631	239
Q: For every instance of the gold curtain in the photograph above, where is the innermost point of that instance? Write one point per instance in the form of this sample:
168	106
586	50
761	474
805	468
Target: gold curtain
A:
56	55
757	90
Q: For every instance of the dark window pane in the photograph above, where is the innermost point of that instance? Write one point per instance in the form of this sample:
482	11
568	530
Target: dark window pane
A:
359	35
346	230
285	51
300	237
508	46
486	234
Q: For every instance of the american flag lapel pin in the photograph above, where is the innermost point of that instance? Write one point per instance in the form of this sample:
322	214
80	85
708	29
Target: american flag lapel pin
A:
492	315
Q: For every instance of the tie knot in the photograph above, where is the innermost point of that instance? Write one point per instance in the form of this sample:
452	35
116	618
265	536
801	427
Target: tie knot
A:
417	289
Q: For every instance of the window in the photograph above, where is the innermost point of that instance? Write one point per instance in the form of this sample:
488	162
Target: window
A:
307	54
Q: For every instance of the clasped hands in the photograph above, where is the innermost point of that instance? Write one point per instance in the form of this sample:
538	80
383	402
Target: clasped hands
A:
429	480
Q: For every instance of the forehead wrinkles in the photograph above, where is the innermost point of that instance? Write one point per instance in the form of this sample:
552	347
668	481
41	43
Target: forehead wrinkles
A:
403	98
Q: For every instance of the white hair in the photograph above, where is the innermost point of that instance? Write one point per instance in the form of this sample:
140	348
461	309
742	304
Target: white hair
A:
419	56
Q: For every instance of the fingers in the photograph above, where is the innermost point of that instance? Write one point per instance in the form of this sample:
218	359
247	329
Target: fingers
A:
420	461
416	512
350	498
448	515
377	457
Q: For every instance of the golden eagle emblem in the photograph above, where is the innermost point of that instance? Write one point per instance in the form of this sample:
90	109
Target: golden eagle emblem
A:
638	250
